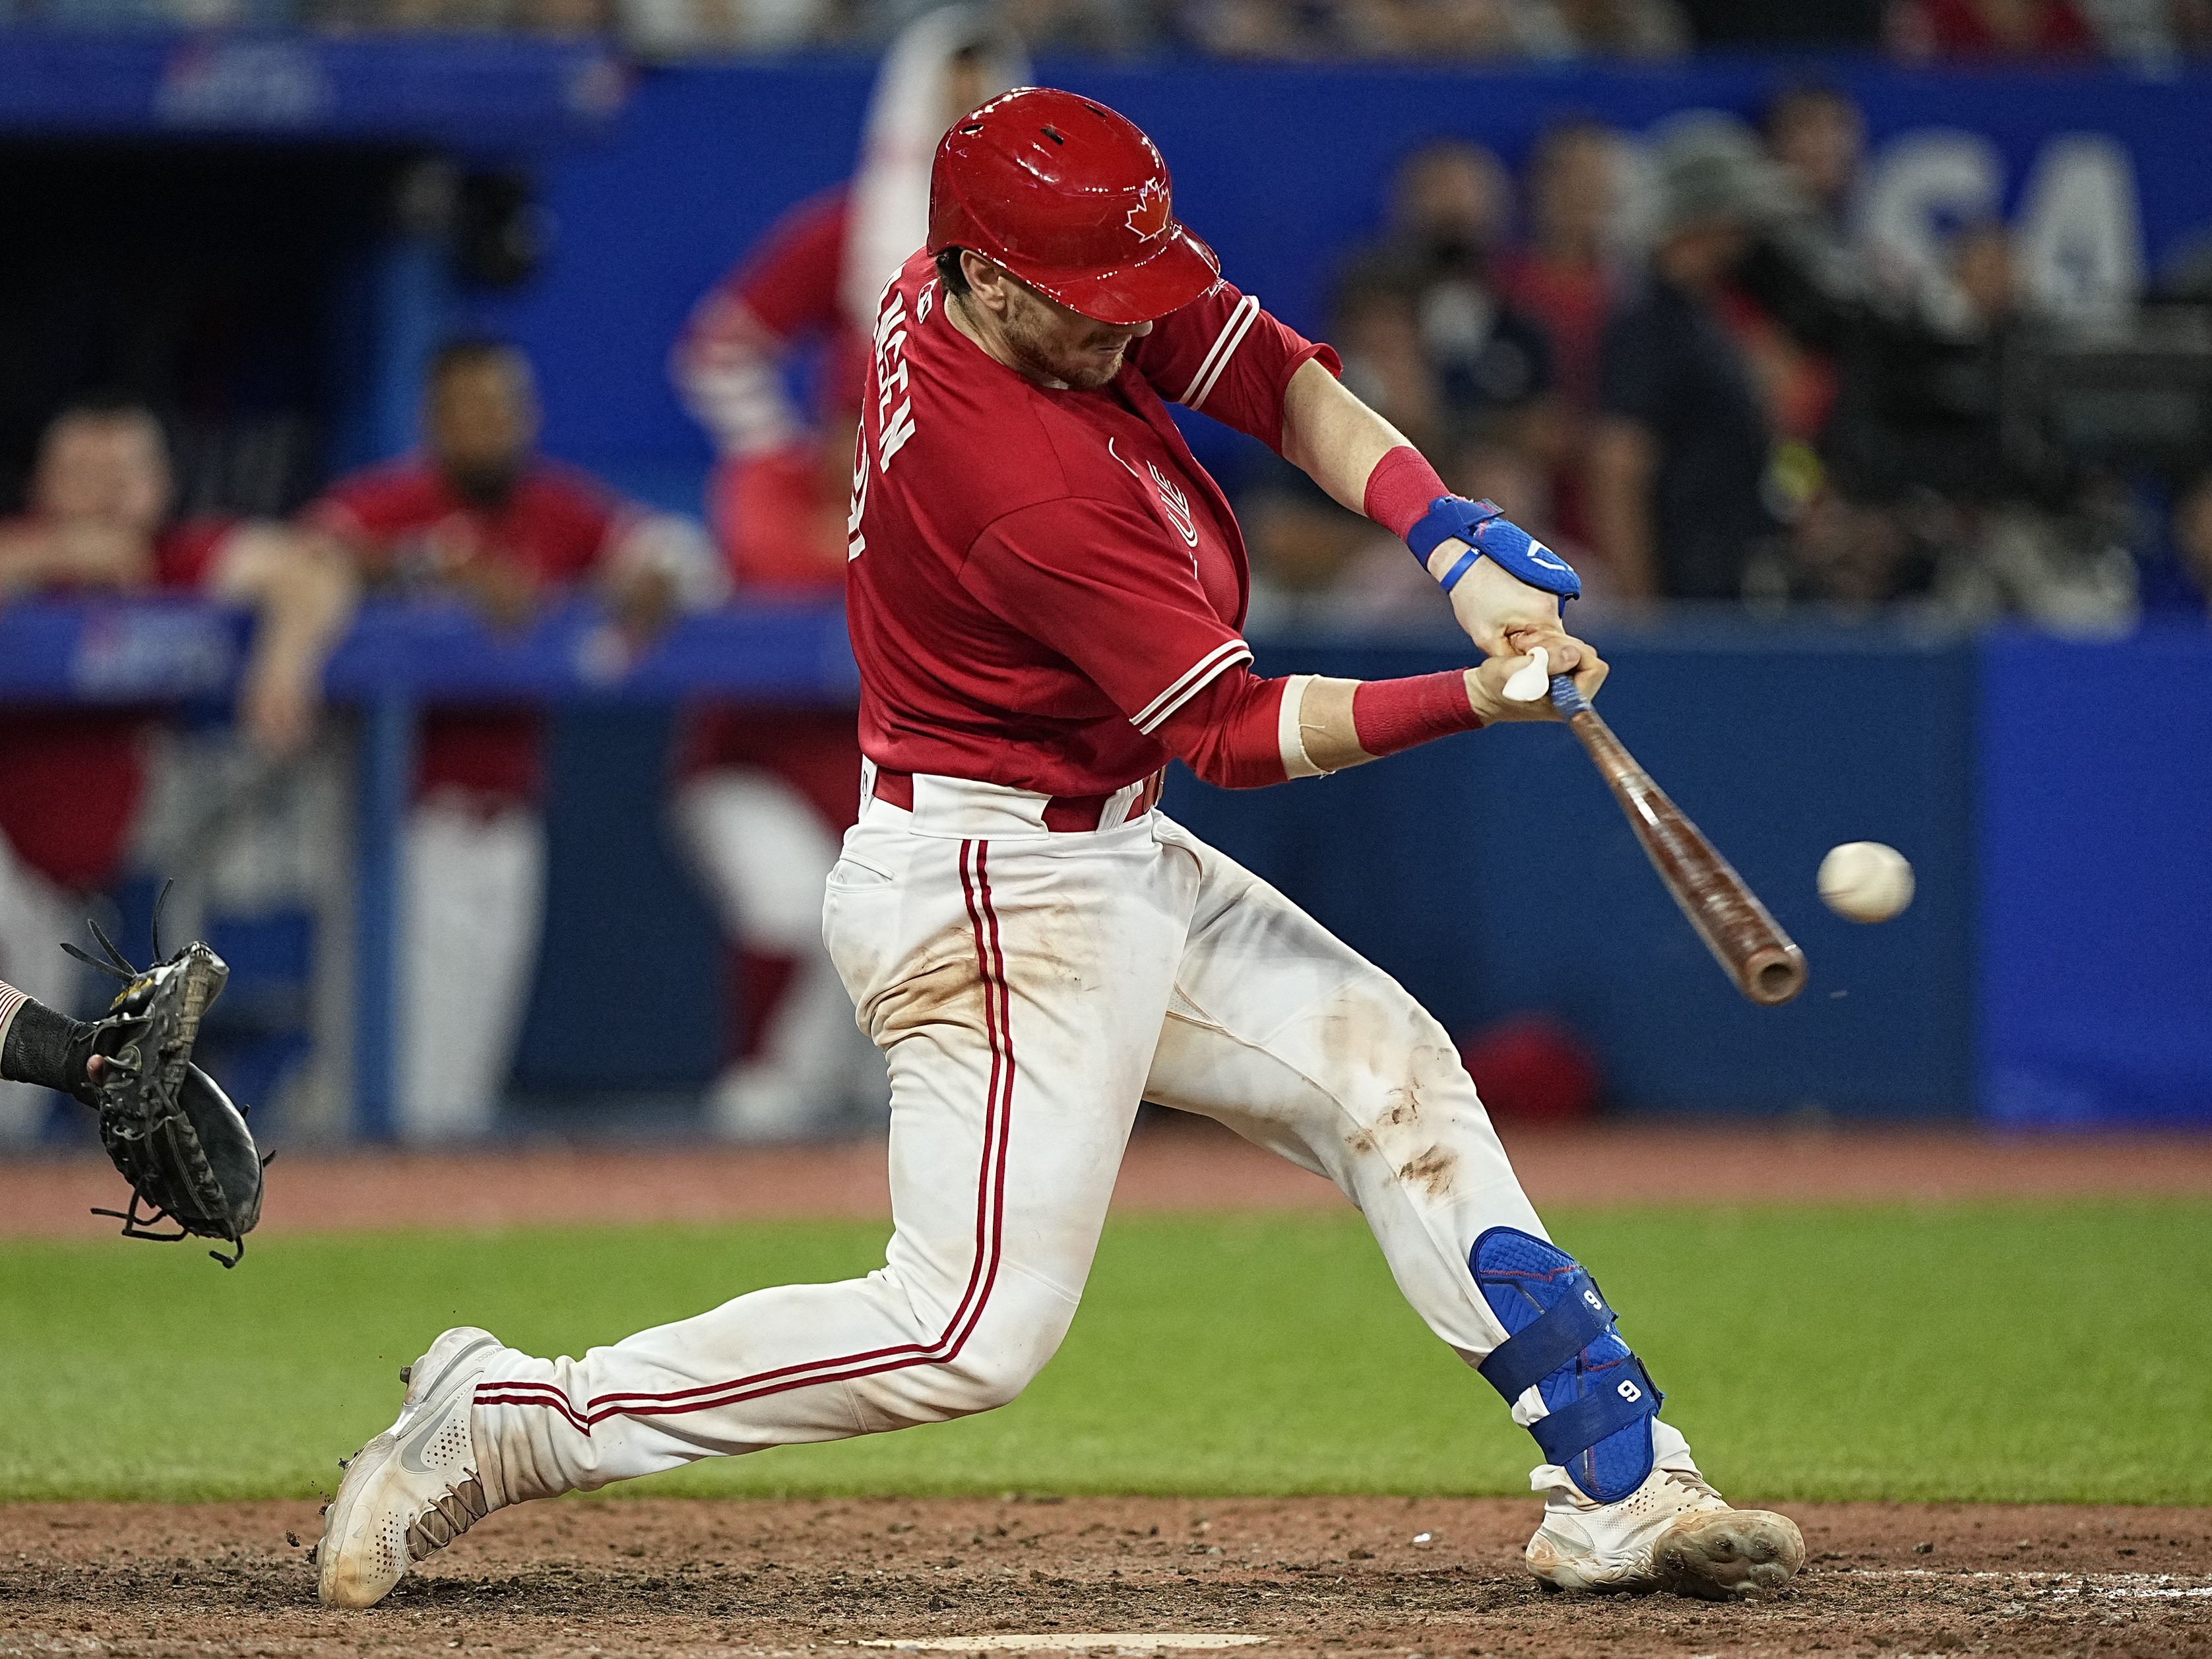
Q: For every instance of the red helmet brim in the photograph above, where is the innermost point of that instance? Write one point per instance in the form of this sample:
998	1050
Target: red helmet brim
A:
1178	270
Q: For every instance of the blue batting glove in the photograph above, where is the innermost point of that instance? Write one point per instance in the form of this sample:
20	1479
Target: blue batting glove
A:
1490	534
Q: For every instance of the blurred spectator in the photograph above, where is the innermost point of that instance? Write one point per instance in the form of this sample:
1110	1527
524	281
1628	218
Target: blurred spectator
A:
1679	457
480	516
1921	30
1377	330
1816	134
2177	577
72	780
1644	29
675	27
1800	23
767	792
1565	280
1419	320
1318	568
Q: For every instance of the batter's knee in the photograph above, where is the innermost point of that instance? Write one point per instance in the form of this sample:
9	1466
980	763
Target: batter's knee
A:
992	1379
981	1374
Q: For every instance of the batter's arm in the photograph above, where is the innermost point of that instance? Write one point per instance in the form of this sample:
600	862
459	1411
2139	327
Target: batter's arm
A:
1241	731
1339	441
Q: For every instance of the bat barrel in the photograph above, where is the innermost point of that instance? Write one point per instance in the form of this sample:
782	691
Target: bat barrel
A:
1773	974
1744	937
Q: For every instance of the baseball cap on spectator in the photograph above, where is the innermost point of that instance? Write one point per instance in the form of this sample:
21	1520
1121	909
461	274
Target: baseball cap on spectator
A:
1707	168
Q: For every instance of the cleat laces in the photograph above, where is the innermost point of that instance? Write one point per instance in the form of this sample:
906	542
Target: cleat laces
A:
451	1513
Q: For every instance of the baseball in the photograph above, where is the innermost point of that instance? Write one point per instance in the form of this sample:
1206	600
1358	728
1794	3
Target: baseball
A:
1865	881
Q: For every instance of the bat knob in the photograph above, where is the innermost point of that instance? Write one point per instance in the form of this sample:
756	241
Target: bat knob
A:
1567	696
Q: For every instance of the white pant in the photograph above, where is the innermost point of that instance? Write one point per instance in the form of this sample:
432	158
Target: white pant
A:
765	854
1029	990
472	907
35	917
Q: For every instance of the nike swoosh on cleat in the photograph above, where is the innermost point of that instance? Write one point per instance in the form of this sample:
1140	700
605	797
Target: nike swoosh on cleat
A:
410	1449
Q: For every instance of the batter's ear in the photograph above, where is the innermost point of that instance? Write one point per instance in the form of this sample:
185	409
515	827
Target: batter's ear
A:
989	285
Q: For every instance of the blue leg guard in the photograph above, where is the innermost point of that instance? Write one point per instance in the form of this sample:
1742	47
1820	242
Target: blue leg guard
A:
1561	1340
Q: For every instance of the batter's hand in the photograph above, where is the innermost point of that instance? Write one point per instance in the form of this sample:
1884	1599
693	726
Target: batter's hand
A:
1486	684
1506	617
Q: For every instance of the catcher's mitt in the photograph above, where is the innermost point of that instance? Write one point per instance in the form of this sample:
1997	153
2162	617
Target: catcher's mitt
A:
181	1144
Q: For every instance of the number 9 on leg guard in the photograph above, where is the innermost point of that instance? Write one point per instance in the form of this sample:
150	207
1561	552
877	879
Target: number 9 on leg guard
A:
1598	1400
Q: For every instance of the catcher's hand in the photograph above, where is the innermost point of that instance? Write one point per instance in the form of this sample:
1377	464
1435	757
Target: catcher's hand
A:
174	1133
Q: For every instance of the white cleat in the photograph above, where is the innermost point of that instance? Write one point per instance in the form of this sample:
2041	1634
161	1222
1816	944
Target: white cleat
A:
1673	1532
416	1487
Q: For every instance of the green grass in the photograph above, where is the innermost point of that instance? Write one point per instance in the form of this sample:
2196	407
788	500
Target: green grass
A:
2011	1352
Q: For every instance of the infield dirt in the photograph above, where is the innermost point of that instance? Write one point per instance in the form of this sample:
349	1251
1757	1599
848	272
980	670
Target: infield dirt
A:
1314	1576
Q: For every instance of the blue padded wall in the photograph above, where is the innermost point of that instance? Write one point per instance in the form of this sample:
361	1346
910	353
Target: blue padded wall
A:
2095	896
1492	872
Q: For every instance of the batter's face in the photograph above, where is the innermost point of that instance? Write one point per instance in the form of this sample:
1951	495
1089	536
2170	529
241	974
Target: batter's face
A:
1039	337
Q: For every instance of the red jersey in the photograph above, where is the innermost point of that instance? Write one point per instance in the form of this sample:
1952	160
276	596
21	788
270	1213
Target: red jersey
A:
789	285
70	778
408	524
1039	578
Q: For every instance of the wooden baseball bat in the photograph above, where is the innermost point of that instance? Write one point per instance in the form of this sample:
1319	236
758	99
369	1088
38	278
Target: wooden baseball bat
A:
1765	962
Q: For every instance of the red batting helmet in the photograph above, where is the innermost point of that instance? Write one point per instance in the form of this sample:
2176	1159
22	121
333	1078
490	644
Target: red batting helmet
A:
1072	199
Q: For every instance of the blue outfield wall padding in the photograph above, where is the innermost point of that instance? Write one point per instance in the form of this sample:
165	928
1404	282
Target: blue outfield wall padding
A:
2095	886
628	992
1492	872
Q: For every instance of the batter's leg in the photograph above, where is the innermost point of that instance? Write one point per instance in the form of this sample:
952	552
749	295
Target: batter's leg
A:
1283	1033
35	916
1017	989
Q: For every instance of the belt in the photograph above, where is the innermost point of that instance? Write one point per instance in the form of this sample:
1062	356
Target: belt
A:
1063	814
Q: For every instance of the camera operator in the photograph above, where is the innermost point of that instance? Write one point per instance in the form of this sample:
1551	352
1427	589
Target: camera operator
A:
1937	446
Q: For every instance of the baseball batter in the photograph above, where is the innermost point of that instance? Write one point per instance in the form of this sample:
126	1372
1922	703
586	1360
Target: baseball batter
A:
1045	592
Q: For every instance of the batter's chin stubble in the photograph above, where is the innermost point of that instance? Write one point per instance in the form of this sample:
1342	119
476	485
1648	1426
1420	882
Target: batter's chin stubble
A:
1025	335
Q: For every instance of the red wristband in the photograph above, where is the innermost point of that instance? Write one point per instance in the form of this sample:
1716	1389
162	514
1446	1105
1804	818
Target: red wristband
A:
1388	715
1399	491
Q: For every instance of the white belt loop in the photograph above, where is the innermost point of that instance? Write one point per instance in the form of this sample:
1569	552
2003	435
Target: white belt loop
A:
1115	812
962	807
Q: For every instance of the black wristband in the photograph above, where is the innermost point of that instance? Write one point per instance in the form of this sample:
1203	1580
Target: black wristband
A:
46	1048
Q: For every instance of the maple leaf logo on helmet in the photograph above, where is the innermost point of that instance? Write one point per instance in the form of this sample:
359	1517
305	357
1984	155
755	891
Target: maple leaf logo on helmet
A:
1149	217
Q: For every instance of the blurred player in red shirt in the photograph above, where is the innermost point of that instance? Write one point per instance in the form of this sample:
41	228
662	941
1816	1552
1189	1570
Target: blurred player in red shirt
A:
767	792
479	513
72	778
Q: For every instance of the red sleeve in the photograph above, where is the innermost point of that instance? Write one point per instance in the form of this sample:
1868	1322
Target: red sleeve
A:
1230	733
1223	356
184	553
586	518
791	279
1086	578
369	506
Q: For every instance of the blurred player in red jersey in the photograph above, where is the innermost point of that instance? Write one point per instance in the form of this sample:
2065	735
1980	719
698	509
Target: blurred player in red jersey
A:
479	513
766	792
71	780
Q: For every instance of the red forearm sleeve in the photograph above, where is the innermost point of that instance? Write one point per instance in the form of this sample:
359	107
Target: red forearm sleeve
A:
1230	733
1388	715
1400	488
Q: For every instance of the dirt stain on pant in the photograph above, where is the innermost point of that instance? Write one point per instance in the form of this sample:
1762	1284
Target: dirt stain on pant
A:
1432	1171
